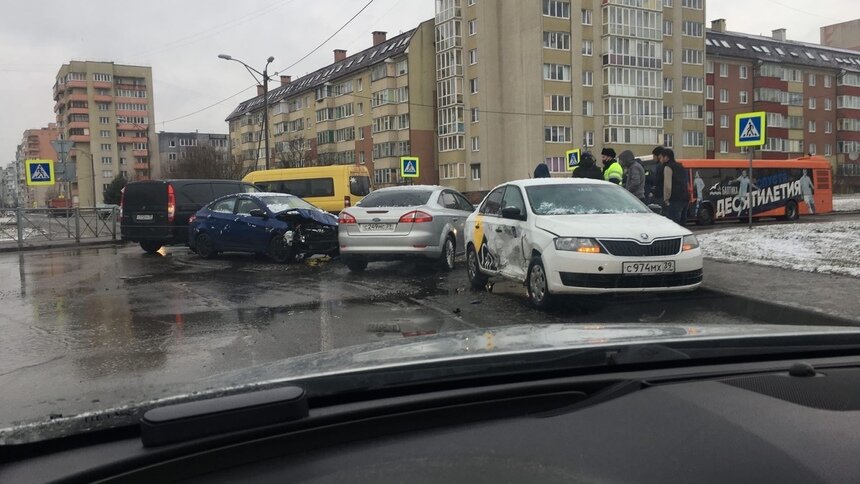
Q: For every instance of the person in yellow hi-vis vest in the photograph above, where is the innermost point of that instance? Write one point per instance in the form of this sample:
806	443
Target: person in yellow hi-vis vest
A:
612	170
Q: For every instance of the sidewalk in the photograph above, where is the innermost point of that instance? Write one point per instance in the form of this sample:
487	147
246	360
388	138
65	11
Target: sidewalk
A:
825	294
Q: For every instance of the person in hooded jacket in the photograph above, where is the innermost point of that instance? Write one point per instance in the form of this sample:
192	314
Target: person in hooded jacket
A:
587	168
635	174
542	171
612	171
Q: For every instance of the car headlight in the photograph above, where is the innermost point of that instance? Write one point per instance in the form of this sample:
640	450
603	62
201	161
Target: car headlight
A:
578	244
690	242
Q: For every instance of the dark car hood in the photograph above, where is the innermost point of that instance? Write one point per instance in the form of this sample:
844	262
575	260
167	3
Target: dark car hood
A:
320	216
452	349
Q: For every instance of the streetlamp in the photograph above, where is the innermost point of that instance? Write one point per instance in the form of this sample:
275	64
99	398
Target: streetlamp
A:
265	76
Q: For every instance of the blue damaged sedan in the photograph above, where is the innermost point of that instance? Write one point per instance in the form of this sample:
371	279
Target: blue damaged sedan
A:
282	226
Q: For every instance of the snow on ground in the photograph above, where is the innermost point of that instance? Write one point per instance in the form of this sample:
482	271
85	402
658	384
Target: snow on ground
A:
846	203
832	247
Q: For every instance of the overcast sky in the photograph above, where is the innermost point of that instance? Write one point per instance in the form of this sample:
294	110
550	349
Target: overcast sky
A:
180	40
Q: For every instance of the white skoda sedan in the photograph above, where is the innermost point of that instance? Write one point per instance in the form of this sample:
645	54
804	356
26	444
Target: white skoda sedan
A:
577	236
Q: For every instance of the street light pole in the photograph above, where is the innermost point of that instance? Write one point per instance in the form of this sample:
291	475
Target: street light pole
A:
265	76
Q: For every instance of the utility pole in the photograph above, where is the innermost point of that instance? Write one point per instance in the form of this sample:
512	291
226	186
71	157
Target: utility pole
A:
265	82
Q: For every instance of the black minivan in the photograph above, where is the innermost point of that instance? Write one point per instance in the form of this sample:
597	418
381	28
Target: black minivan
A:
155	212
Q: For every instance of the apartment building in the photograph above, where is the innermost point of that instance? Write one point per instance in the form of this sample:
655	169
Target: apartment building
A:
844	35
369	108
107	110
811	95
9	186
36	145
173	147
520	82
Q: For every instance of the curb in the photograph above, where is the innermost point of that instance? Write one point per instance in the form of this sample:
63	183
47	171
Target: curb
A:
62	245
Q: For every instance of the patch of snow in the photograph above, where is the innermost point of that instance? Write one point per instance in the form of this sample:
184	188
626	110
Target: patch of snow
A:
846	203
832	248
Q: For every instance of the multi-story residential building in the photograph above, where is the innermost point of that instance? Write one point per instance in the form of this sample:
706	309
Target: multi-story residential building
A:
369	108
520	82
173	147
107	110
9	186
811	95
845	35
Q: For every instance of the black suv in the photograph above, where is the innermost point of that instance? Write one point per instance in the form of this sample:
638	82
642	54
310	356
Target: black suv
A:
155	213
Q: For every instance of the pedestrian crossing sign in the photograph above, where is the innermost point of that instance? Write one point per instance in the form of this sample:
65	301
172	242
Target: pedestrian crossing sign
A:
40	172
572	157
409	167
750	129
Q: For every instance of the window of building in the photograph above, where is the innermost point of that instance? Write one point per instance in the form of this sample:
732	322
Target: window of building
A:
475	169
106	147
694	4
667	3
557	103
470	3
588	108
402	67
557	134
102	77
744	97
586	16
709	118
693	111
587	78
588	138
473	27
724	70
668	84
724	95
473	57
709	66
692	29
556	72
724	146
724	121
476	143
668	56
668	112
476	115
171	156
668	140
556	8
104	133
828	104
587	47
743	72
667	27
828	127
812	103
692	84
556	40
693	56
812	126
473	85
709	92
828	81
694	138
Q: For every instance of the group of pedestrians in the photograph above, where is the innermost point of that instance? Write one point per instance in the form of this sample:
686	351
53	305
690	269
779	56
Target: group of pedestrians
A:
667	186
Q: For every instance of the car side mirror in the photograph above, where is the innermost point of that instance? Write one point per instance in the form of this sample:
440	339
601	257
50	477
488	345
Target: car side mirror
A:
656	208
512	213
259	213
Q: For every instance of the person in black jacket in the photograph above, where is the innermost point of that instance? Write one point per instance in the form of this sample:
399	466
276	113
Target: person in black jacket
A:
542	171
676	194
587	168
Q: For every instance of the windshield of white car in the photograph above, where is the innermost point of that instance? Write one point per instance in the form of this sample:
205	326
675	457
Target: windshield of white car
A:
279	203
396	198
582	199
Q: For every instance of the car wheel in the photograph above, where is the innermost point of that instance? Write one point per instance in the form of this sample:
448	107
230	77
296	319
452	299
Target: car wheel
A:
705	216
449	251
537	284
205	246
477	278
280	251
150	246
791	211
356	265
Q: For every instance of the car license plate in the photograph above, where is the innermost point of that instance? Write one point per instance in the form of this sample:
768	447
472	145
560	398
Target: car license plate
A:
143	218
377	227
637	268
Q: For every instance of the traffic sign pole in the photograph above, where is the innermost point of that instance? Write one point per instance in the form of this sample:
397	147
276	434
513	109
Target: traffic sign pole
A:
749	133
749	191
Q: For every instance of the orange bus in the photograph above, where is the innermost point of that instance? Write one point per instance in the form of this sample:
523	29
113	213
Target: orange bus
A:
779	188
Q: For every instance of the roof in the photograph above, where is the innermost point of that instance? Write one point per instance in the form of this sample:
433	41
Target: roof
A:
755	47
531	182
356	62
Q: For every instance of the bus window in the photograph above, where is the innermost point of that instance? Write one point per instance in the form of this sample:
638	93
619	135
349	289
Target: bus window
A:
359	185
305	188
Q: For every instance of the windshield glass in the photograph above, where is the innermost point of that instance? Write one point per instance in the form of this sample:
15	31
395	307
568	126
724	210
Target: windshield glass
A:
582	199
455	179
396	198
279	203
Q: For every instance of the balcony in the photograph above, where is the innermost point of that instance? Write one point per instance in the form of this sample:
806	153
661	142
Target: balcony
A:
131	139
77	97
131	127
79	110
140	153
138	165
102	98
133	87
79	124
102	84
80	138
77	83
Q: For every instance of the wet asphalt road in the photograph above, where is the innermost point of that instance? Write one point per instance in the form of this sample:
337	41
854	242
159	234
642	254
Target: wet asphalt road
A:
98	327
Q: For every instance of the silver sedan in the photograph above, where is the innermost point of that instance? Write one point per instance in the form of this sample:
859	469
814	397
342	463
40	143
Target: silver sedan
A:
404	222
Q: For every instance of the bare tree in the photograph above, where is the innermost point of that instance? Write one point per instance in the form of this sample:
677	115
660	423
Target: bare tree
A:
293	153
209	162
